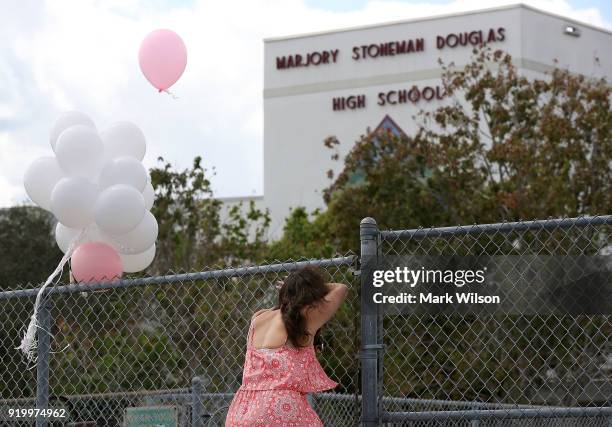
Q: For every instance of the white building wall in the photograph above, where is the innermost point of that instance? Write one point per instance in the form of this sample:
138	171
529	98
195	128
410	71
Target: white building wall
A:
298	113
544	41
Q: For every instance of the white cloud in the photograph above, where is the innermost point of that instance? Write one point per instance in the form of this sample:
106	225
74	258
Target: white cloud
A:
63	54
10	194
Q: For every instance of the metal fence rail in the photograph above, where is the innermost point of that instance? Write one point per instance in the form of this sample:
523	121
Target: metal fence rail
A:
175	340
542	369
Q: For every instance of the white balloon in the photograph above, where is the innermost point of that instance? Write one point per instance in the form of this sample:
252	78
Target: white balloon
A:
140	238
80	152
72	201
138	262
40	178
124	139
119	209
69	118
124	170
65	235
149	195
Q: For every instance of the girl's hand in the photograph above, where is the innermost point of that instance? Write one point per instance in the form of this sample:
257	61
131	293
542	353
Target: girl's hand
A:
280	283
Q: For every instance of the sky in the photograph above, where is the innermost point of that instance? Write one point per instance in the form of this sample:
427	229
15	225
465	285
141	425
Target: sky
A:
59	55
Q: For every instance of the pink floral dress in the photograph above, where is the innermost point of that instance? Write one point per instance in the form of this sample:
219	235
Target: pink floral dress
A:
274	386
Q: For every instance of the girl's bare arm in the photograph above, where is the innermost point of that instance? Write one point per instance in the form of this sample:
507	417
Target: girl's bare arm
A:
324	310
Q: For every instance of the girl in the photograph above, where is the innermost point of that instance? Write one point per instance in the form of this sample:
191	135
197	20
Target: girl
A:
280	366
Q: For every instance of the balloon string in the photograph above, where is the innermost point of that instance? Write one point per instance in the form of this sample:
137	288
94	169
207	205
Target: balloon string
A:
169	93
29	343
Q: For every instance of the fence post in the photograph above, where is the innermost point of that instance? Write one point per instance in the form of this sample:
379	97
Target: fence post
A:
196	402
42	358
369	235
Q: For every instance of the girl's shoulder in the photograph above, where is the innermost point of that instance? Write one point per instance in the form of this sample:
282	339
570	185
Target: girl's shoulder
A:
257	313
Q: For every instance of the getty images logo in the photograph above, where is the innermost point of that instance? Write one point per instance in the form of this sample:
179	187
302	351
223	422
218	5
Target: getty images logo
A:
411	277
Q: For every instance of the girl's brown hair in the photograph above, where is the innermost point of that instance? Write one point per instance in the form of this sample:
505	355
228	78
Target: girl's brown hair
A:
303	288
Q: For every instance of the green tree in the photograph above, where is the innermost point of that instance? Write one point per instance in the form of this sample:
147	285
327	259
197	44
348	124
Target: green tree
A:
27	246
303	236
502	147
192	232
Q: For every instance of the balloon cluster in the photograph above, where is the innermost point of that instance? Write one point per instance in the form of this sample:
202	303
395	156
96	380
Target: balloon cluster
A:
100	193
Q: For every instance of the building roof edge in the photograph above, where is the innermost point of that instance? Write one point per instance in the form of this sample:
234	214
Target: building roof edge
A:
434	17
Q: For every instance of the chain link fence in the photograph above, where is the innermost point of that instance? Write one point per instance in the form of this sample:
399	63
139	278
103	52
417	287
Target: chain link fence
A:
505	368
174	345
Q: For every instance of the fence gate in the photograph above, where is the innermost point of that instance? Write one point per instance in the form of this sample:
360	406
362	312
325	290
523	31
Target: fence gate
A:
509	368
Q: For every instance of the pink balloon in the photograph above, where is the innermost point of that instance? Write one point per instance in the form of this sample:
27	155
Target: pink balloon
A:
162	58
96	262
